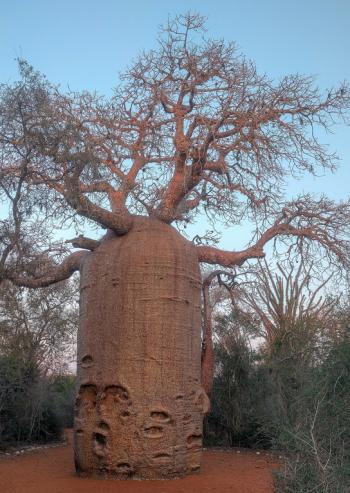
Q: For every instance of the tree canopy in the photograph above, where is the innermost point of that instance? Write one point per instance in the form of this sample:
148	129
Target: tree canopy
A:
192	128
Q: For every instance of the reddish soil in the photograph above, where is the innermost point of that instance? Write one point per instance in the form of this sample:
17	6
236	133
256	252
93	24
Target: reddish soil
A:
51	470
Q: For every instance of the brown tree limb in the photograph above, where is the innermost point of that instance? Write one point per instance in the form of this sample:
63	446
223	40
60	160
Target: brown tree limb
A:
57	273
120	221
207	366
84	242
213	255
320	221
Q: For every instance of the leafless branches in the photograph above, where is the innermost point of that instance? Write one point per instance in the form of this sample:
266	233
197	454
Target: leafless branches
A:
288	301
191	129
321	221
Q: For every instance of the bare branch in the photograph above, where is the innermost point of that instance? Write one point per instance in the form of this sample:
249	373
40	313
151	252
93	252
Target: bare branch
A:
85	243
56	274
323	222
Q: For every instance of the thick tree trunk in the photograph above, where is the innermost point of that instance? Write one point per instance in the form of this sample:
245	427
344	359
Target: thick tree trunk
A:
140	402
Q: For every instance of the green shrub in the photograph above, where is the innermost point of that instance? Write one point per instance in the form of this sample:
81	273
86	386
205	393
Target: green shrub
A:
319	441
33	407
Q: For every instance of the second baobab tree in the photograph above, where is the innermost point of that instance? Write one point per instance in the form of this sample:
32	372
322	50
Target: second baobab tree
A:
191	129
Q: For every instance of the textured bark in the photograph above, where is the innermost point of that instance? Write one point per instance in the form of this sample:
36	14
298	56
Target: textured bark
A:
140	403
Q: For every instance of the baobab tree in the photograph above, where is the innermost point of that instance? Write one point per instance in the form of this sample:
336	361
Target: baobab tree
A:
192	128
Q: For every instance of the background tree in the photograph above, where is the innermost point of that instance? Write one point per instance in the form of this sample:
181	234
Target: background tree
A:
37	346
39	326
237	384
293	306
191	128
296	320
281	374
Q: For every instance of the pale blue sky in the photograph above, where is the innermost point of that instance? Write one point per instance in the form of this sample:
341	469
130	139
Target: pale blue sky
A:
85	43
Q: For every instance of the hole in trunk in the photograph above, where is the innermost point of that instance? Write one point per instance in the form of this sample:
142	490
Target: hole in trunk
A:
118	391
202	401
124	468
162	416
162	456
115	281
194	440
153	432
86	397
100	439
99	444
88	389
87	361
103	425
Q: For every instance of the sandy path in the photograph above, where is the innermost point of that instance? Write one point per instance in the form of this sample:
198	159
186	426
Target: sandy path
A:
51	471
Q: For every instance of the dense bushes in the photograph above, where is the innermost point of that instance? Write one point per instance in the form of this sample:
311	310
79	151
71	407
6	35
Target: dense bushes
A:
37	335
319	438
233	419
33	407
276	398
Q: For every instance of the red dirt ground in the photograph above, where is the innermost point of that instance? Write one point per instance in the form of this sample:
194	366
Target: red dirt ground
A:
51	470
